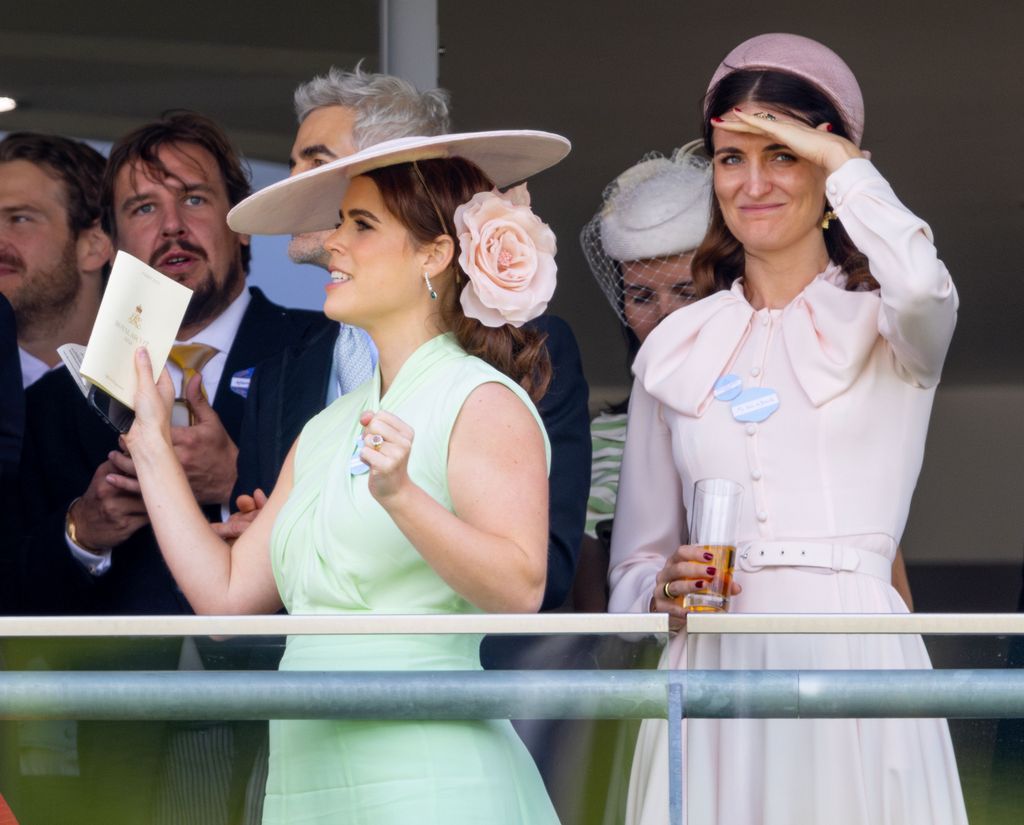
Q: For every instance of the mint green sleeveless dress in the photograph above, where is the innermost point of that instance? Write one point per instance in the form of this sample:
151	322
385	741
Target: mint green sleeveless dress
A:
334	549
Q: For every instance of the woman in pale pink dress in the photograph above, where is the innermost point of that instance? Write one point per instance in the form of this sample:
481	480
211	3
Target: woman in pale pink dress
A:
807	374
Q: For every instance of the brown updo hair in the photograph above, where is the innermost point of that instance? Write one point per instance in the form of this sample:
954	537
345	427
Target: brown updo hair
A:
519	352
720	258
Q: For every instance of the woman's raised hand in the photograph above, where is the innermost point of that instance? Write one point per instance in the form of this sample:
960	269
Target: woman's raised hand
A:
386	444
153	404
688	570
815	144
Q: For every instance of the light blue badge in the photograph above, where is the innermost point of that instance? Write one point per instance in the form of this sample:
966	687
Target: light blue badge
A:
356	466
241	380
755	404
728	387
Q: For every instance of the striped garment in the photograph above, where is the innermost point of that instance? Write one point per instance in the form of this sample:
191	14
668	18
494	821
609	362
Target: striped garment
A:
608	435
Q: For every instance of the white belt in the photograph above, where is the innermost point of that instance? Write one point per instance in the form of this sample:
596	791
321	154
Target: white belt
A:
837	557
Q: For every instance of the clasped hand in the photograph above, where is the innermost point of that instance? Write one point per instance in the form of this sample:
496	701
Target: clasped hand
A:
204	449
238	522
387	441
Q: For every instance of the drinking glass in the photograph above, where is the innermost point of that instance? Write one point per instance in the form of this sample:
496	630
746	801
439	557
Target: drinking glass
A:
713	522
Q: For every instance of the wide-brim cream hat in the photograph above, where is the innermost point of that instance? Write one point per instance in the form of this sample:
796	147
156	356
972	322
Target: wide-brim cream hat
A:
308	202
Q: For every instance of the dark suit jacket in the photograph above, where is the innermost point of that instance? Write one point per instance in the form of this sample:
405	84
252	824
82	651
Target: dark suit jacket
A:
290	388
286	391
66	441
12	425
12	399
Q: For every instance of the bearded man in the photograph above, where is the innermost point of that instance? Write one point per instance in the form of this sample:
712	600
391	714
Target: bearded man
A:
164	198
54	255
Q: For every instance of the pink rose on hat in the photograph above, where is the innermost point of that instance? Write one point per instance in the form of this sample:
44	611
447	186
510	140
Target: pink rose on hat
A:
508	254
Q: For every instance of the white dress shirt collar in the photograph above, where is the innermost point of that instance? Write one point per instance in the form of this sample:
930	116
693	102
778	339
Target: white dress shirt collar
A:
32	368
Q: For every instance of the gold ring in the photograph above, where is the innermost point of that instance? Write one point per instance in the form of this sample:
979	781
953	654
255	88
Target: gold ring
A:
765	115
375	441
668	593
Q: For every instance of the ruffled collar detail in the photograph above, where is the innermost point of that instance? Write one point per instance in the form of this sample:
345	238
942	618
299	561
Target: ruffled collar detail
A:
829	334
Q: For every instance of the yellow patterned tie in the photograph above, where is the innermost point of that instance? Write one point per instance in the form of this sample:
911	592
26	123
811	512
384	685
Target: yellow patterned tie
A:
191	358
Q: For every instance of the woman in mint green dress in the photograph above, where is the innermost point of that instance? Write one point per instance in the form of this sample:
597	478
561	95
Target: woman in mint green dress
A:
422	491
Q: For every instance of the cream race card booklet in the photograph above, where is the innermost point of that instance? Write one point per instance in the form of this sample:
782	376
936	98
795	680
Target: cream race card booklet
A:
140	308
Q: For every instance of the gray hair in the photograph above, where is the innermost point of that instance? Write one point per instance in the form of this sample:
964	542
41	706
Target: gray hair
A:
386	107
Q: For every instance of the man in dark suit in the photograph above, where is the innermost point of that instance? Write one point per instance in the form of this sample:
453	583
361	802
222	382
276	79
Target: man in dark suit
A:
54	255
12	424
166	193
339	114
12	400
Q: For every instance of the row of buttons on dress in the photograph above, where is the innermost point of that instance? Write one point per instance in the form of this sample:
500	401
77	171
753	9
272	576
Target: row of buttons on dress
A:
755	465
753	406
756	475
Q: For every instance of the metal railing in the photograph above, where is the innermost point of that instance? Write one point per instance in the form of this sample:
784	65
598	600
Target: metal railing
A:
539	694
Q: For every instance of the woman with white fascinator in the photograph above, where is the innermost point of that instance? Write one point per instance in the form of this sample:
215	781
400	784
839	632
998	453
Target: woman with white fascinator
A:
641	242
639	247
805	373
395	499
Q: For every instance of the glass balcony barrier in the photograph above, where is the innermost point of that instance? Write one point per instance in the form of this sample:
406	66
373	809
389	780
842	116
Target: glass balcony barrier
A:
163	719
158	719
761	686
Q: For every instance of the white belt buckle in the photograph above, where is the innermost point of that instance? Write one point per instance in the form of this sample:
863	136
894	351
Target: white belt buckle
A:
849	558
837	558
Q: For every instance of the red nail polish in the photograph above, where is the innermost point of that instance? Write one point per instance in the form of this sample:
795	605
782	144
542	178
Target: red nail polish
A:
708	557
737	109
711	571
716	120
828	127
699	585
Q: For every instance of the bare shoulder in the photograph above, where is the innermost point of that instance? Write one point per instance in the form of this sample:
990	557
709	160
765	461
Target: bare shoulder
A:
494	421
496	442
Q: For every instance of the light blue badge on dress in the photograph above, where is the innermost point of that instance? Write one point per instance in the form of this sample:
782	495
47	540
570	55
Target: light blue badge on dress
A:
356	466
728	387
755	404
241	380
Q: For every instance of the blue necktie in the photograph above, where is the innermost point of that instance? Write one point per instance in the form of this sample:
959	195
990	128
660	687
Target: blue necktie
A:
354	358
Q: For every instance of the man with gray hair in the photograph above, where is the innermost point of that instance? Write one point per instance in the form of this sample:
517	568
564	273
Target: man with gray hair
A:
340	113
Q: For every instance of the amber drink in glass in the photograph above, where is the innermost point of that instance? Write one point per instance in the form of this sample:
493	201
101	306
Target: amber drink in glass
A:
713	522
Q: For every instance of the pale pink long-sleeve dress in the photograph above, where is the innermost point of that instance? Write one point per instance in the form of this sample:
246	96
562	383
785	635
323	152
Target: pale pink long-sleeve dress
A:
855	374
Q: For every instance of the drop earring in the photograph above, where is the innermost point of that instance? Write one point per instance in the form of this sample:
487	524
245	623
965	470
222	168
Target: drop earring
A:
430	287
827	218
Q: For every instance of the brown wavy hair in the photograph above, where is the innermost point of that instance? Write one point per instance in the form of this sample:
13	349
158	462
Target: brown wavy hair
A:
427	210
175	128
720	259
75	164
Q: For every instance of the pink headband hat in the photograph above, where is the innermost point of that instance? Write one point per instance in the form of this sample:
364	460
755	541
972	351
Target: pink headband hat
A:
807	59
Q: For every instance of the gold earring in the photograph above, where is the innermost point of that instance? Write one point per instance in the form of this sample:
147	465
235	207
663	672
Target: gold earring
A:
430	287
827	218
